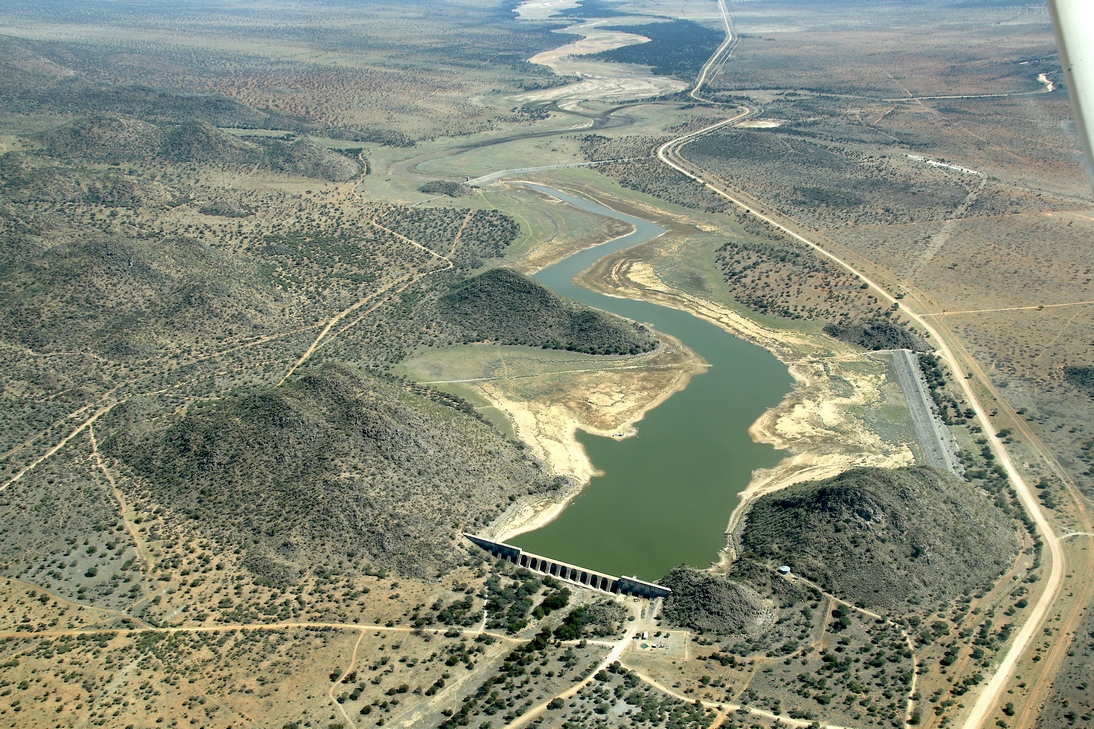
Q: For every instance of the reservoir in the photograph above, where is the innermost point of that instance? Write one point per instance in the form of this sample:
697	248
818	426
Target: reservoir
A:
666	495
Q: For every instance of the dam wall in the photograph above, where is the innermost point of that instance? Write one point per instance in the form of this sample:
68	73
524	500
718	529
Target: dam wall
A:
580	576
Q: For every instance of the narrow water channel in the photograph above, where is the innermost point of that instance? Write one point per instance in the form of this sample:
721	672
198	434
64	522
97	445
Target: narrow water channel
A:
666	495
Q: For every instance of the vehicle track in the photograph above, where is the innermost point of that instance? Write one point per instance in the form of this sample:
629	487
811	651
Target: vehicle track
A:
64	441
392	287
670	153
989	695
335	684
124	511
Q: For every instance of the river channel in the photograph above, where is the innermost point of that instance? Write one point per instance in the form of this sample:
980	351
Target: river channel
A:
666	495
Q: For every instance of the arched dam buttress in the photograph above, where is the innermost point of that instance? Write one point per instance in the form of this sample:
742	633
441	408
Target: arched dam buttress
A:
571	573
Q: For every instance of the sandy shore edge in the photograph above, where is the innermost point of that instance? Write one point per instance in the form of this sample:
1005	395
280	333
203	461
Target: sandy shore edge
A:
787	425
551	433
810	423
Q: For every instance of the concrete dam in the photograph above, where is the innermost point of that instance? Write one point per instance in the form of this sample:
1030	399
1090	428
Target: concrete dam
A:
571	573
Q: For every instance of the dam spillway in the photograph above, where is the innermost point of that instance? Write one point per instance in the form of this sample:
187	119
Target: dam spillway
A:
570	573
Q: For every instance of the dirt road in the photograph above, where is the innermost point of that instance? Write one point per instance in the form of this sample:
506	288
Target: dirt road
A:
988	697
720	54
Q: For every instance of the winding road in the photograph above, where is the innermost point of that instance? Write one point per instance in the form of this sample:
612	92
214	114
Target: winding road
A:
989	696
720	55
671	154
948	347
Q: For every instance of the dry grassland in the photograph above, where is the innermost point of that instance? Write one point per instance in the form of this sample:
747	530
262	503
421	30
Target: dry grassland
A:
390	73
989	249
965	53
115	611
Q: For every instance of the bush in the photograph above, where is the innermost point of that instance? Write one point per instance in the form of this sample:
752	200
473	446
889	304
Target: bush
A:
504	306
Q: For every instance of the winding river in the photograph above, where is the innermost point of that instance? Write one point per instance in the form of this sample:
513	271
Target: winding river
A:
666	495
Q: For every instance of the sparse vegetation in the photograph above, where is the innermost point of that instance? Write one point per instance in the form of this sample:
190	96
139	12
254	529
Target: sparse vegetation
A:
676	48
886	540
218	504
642	172
444	187
121	139
774	275
330	461
707	603
506	307
877	335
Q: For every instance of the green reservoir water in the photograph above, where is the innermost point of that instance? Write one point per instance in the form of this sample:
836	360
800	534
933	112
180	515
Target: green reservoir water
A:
666	496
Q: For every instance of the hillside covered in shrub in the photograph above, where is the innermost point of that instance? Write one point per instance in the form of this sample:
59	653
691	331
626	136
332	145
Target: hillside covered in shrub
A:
113	138
334	464
875	335
507	307
884	538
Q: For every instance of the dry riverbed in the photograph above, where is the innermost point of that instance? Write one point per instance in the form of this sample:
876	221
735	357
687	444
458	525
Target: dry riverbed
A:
600	81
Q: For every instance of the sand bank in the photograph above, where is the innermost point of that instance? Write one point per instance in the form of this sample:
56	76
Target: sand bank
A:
607	403
600	80
819	422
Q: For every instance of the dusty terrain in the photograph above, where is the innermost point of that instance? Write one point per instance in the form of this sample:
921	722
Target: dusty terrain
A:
124	612
599	81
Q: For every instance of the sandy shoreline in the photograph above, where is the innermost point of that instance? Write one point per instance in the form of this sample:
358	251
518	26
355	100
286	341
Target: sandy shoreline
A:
824	423
598	80
550	429
814	422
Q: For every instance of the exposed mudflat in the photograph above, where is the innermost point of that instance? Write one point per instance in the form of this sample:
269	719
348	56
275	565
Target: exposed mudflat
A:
606	403
600	81
816	423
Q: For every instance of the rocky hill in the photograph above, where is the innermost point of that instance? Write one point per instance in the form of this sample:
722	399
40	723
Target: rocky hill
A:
107	138
305	158
30	181
705	602
884	539
200	141
902	541
507	307
876	335
333	463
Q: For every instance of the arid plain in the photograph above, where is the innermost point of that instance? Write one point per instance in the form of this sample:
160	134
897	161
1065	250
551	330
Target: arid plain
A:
256	385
